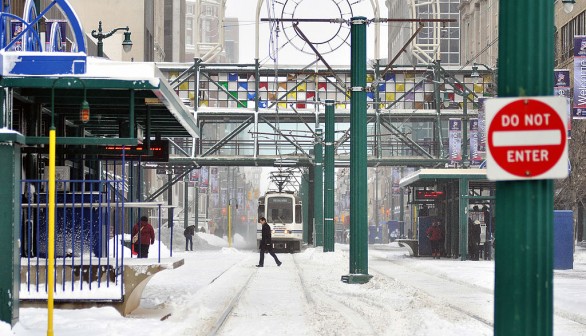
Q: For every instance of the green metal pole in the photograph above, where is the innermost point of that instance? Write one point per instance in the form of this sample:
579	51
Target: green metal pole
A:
185	202
438	109
524	209
318	188
401	205
196	205
131	116
463	206
358	157
305	200
170	198
3	111
9	232
329	229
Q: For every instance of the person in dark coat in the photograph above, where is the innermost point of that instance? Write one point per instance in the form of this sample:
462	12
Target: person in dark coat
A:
474	239
146	236
188	233
266	245
435	235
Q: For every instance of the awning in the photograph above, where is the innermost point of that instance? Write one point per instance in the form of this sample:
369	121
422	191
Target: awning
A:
111	88
429	177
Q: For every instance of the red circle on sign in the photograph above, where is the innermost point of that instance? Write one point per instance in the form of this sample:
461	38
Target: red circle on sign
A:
512	127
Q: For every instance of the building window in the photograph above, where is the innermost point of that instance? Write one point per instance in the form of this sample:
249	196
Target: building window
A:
577	26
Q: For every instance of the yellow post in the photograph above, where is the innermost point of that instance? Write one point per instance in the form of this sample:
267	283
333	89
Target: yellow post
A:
51	242
229	224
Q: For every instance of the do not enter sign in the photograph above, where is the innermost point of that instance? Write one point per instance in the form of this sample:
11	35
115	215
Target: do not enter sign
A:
526	138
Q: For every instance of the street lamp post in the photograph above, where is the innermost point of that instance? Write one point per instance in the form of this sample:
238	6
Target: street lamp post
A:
230	220
126	44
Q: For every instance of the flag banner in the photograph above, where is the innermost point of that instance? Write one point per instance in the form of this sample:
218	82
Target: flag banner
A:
475	157
455	140
579	110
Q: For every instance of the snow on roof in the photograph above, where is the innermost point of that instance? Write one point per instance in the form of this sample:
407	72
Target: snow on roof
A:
98	67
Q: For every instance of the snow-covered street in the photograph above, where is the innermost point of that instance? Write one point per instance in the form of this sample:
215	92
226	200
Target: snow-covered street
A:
220	291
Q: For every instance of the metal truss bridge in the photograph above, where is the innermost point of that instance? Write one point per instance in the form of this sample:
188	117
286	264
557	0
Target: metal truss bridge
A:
249	115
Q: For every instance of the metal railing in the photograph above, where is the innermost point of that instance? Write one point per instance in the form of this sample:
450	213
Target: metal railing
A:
91	239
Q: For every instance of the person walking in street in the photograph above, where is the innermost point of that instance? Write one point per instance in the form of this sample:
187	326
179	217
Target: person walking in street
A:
266	244
188	233
146	236
435	235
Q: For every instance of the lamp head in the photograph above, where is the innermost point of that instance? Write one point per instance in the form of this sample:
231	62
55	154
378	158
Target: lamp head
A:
475	75
568	5
447	99
127	43
84	112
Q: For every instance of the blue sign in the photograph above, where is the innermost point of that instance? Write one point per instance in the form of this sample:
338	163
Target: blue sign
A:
23	53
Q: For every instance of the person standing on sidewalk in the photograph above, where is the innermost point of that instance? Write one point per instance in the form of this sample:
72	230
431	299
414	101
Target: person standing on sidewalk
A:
188	233
146	236
266	244
435	235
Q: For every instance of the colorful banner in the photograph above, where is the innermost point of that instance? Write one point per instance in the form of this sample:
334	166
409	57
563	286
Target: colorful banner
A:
204	178
562	88
475	157
214	183
15	29
561	85
240	201
579	110
481	127
455	140
194	175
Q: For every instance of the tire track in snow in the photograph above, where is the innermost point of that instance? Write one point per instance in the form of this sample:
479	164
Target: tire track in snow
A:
319	296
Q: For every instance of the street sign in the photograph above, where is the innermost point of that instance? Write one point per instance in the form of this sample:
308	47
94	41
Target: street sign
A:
526	138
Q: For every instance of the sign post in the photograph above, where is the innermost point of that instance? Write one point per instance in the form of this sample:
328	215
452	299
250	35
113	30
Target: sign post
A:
523	303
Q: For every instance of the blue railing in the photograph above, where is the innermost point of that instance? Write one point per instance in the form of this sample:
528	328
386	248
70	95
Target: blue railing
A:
88	219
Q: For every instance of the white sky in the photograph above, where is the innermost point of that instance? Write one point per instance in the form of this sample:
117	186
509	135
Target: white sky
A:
245	11
407	296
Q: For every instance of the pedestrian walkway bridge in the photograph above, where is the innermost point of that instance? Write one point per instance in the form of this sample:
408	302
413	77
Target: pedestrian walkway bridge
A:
250	115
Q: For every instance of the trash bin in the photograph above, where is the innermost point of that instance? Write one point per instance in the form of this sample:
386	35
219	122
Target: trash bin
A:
563	239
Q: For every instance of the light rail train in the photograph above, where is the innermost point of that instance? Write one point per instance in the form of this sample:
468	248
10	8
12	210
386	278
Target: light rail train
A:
283	213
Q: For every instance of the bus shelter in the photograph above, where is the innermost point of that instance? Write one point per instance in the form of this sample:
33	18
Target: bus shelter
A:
458	198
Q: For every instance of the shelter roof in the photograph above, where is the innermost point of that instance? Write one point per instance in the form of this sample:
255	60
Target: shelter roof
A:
111	89
429	177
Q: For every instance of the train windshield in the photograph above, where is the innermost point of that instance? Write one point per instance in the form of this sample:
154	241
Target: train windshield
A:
279	209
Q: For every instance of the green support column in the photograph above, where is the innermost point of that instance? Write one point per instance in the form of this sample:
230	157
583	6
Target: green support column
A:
524	209
170	198
9	232
311	205
358	157
305	200
318	188
185	202
329	229
196	205
463	206
438	110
